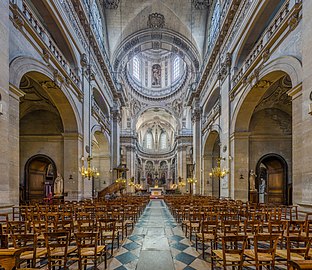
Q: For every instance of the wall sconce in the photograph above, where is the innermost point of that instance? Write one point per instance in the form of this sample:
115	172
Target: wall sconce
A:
241	176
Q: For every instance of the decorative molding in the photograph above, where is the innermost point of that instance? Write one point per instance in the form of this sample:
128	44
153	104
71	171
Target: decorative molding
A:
48	85
111	4
83	60
201	4
156	20
46	55
18	21
263	84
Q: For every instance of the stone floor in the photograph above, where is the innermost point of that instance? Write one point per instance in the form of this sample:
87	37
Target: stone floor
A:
157	243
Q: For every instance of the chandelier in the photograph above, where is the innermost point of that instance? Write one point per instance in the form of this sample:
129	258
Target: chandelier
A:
191	180
217	171
89	172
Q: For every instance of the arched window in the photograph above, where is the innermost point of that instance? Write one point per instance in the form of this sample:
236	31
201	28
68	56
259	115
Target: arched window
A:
176	68
163	140
136	68
214	25
149	140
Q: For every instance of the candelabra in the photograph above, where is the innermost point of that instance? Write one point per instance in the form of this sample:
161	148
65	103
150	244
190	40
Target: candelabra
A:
89	172
217	171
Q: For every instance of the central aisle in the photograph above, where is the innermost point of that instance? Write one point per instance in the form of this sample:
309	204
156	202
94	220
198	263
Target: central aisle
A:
157	243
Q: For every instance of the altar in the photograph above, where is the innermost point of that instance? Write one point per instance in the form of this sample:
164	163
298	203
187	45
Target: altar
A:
156	192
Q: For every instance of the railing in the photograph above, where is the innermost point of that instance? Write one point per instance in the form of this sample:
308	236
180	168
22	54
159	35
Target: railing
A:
279	21
35	25
100	114
212	114
211	45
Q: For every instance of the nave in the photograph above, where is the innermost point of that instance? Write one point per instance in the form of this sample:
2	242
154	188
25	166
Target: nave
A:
157	242
138	233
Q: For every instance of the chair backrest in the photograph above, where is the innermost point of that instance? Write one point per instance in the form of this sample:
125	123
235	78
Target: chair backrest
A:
230	227
18	227
234	245
298	244
265	243
55	240
28	242
86	240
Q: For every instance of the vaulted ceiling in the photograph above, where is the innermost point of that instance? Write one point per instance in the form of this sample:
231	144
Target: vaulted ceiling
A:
183	17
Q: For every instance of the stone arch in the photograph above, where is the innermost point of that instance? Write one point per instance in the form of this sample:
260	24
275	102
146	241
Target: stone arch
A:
38	169
60	96
272	170
261	118
210	155
272	71
101	158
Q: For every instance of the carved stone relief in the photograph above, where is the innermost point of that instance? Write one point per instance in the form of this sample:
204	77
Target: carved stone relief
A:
156	20
111	4
201	4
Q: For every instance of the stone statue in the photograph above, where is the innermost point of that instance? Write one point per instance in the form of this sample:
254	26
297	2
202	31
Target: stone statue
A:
58	185
252	180
262	190
156	72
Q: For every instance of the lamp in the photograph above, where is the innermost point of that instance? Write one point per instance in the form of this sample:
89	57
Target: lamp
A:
191	180
181	183
89	172
217	171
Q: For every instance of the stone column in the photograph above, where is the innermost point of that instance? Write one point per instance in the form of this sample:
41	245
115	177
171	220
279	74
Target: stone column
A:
14	175
9	117
181	166
296	95
130	152
197	147
241	153
73	181
302	145
115	139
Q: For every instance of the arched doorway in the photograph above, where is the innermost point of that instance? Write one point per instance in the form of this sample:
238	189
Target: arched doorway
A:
272	180
211	155
40	173
101	160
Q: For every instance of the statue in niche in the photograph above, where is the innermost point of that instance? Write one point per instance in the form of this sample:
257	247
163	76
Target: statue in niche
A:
252	180
156	75
58	185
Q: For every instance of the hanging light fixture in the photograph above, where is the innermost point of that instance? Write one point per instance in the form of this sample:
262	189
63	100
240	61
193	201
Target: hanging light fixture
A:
89	172
217	171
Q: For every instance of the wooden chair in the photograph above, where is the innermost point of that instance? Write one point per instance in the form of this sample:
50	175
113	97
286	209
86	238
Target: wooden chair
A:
89	250
58	249
264	251
208	235
108	233
33	252
297	248
232	252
